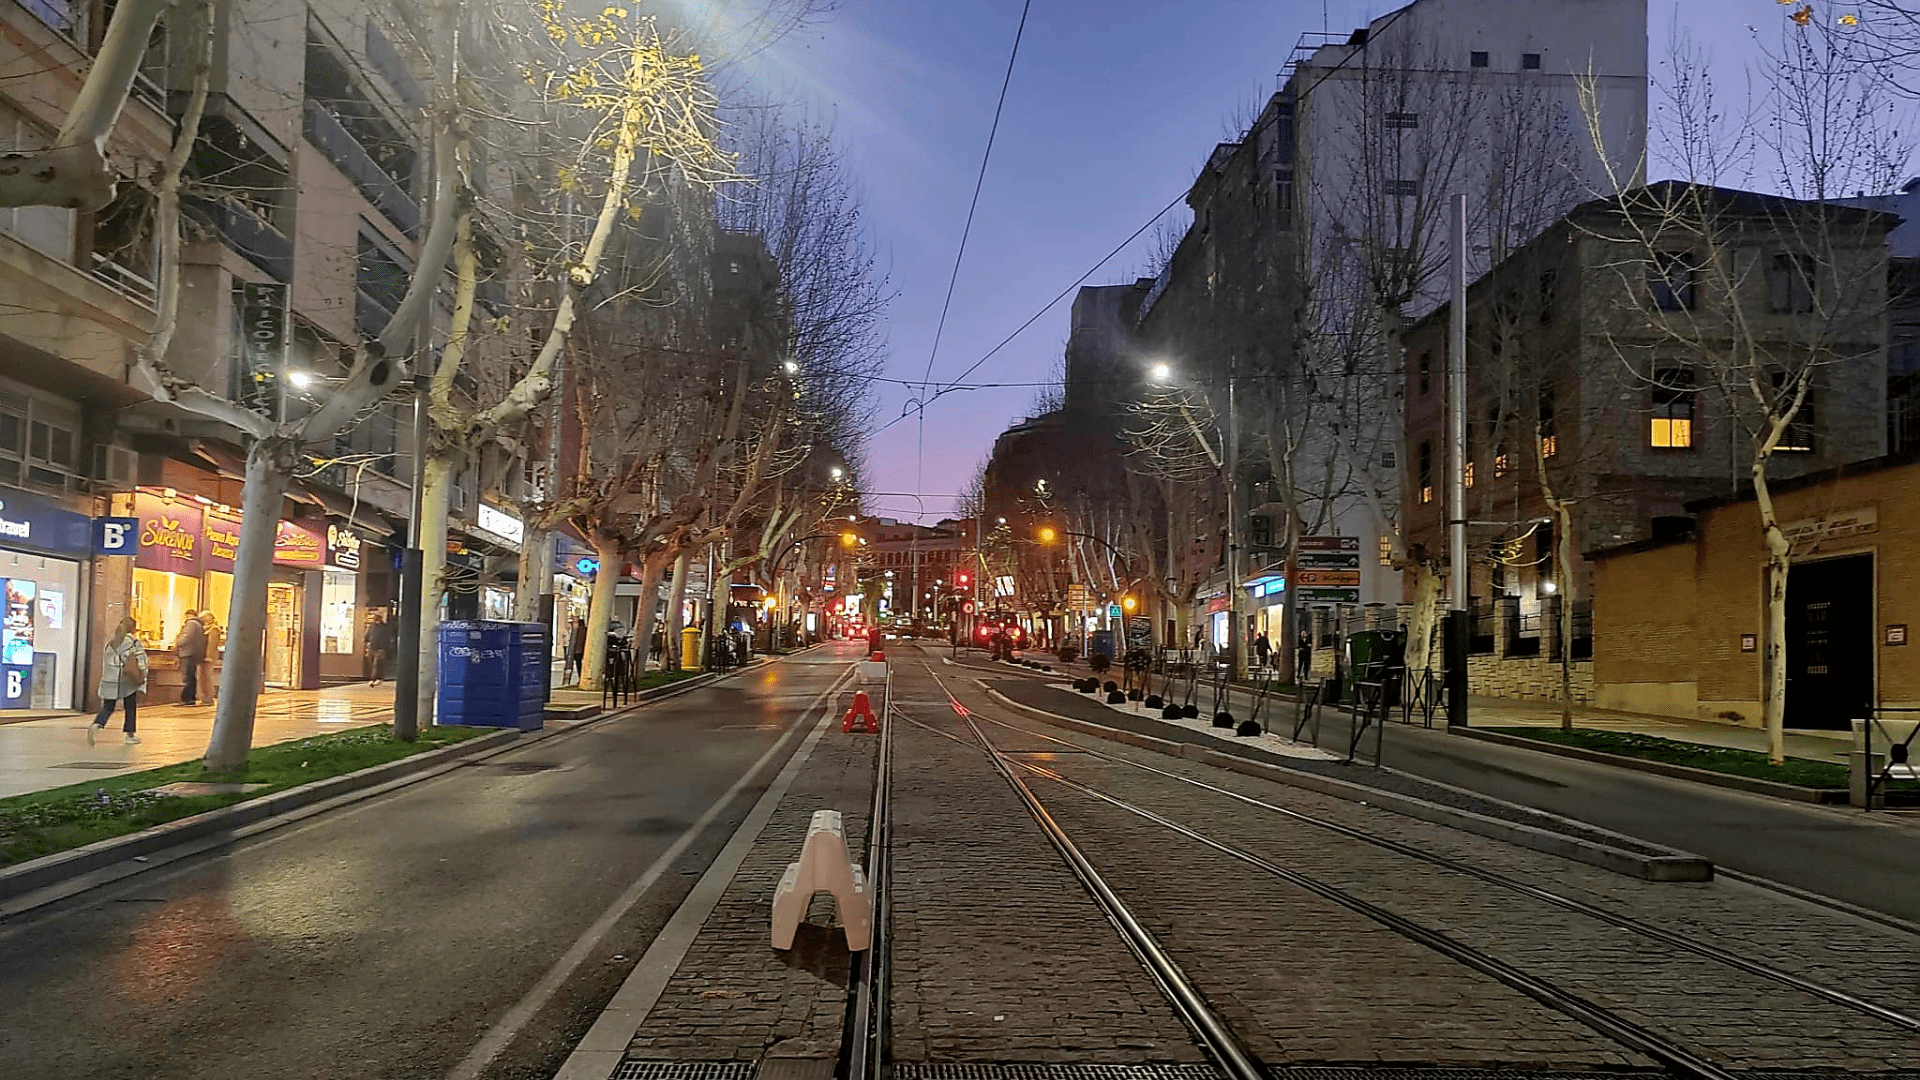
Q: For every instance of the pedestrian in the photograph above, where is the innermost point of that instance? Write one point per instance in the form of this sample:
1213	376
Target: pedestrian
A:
216	640
1304	663
123	676
190	646
576	649
379	644
1262	648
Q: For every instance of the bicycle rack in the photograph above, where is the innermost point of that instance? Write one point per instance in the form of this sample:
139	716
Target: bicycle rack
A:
1309	711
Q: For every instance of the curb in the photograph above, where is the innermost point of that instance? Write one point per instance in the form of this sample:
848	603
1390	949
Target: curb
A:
1673	866
1775	789
64	866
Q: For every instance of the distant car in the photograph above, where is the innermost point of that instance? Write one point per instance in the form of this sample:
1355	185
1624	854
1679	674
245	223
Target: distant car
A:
986	630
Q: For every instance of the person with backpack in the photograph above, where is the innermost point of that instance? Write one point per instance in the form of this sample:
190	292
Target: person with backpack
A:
190	645
123	677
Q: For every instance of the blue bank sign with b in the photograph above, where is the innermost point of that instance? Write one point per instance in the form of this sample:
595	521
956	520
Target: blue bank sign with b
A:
116	536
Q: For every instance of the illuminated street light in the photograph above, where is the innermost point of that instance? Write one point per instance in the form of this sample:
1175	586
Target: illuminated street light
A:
1162	373
836	472
300	379
792	367
1048	534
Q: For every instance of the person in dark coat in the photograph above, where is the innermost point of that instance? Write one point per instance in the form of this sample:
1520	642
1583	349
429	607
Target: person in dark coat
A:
190	646
1304	663
1262	648
576	651
379	646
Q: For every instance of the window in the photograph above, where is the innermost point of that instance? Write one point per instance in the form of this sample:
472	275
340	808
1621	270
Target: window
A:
46	228
381	274
1403	187
1790	284
1426	371
1798	436
1387	460
1403	120
1672	427
1386	551
1426	472
1530	61
1283	200
733	266
1674	281
1466	477
1477	59
1549	295
1502	461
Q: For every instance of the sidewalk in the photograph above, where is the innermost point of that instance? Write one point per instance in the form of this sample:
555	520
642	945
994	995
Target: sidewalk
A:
1828	746
51	752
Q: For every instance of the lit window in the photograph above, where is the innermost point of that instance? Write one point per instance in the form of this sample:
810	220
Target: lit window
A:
1386	551
1426	472
1549	445
1672	424
1502	463
1468	476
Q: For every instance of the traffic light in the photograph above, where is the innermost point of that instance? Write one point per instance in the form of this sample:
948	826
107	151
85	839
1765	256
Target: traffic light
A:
962	580
967	607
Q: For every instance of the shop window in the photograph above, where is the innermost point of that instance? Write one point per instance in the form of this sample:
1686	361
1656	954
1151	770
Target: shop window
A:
1673	400
219	596
339	594
160	605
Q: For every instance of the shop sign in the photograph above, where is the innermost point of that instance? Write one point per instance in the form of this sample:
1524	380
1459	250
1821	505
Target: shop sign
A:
37	524
491	519
116	536
169	534
296	545
1216	605
343	548
220	539
586	567
264	316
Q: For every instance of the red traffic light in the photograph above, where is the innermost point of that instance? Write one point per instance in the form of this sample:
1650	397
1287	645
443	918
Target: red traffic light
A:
962	579
967	607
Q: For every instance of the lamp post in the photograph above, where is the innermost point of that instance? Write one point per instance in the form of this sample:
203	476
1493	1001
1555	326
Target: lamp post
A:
1229	464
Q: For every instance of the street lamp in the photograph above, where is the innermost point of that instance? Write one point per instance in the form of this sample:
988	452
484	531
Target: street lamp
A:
837	472
1161	373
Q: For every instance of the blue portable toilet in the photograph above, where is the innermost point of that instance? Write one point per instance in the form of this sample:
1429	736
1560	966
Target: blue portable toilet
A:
492	674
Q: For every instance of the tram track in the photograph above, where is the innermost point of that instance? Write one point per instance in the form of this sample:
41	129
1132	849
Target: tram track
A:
1676	1055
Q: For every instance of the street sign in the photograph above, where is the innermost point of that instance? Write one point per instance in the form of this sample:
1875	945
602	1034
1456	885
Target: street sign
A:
1330	543
1139	632
1321	594
1077	597
1328	560
1342	578
1113	611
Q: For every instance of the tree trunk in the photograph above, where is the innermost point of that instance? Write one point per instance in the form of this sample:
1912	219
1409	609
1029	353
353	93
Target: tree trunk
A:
536	573
652	569
1418	654
270	464
676	613
600	610
436	499
1778	551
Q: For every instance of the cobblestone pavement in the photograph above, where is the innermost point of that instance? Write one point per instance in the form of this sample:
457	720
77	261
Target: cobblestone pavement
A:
998	954
733	997
1742	1020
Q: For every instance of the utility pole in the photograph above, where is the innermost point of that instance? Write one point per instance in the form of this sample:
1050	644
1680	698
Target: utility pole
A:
406	683
1232	465
1458	628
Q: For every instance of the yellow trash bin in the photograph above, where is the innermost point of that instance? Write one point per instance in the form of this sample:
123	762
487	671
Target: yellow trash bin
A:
689	648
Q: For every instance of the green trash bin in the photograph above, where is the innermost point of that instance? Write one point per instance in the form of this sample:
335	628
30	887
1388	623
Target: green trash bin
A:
1365	649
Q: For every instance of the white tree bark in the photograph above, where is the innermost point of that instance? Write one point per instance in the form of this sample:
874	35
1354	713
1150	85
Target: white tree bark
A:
270	463
600	610
676	613
436	499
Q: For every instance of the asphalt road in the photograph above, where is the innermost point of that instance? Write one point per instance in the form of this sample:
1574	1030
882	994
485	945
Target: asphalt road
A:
384	940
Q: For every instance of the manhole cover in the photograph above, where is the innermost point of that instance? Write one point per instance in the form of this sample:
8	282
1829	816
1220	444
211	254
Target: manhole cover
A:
104	766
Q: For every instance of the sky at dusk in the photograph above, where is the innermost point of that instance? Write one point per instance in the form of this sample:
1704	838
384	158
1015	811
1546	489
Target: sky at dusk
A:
1112	108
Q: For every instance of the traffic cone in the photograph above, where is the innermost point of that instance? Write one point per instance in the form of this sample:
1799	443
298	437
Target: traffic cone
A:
861	709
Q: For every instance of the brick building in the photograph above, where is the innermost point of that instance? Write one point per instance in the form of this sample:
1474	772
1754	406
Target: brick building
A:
1680	623
1587	361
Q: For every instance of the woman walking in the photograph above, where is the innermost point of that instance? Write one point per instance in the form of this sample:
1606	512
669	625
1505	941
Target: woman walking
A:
123	676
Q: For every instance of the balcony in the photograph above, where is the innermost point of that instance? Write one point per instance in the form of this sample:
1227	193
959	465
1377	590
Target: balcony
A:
258	242
346	153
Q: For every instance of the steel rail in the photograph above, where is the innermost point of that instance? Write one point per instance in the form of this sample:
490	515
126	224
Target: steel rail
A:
1624	922
1215	1037
1675	1056
866	1030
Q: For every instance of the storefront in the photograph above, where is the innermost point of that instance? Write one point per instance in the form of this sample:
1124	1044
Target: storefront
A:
344	605
42	548
185	565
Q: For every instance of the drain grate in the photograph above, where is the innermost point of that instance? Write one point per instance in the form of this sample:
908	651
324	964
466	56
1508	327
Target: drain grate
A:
959	1071
1315	1072
515	768
102	766
684	1070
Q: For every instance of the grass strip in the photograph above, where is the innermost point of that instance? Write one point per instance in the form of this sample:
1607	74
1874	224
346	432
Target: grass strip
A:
1796	771
60	819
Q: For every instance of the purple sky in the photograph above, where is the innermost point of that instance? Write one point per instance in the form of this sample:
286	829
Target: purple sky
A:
1113	106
